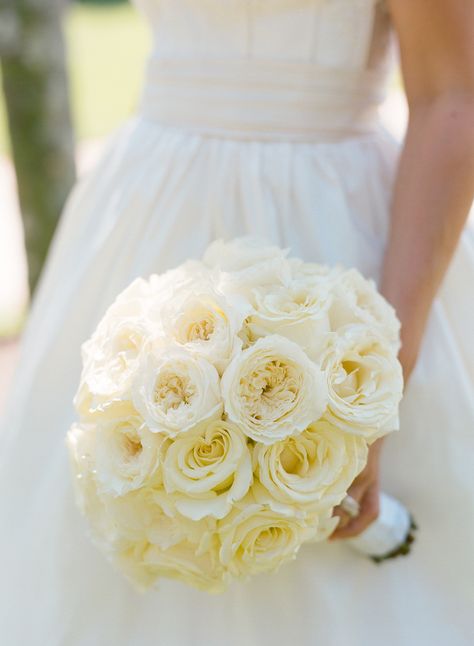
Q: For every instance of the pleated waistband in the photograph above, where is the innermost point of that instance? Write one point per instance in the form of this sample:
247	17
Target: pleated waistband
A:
262	99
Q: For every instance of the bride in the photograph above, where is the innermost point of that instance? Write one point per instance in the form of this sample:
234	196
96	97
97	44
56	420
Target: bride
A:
260	117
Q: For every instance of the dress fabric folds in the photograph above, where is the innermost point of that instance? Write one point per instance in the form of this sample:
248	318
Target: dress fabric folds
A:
257	117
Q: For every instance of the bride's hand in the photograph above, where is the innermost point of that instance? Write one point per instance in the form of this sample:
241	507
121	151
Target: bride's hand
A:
365	489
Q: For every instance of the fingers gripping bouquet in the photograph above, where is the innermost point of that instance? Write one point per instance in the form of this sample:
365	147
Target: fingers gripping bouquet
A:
225	408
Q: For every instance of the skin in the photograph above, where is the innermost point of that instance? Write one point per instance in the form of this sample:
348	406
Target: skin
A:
434	188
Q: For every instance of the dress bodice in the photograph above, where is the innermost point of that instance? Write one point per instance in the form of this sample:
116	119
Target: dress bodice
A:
298	68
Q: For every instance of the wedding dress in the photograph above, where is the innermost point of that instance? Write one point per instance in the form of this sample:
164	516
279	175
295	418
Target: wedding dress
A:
261	117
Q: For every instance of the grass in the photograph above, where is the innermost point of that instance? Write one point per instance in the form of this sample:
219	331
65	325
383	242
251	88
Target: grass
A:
107	47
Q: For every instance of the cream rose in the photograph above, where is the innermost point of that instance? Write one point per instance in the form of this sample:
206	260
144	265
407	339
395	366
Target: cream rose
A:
365	383
127	455
272	390
257	539
164	286
186	561
311	471
81	442
247	262
312	272
241	253
105	486
356	299
111	356
208	469
298	312
129	559
150	543
136	524
144	515
174	390
324	521
206	322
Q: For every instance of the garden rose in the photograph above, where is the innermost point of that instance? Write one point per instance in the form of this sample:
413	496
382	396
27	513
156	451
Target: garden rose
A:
247	262
164	286
187	562
197	564
241	253
140	515
365	383
127	455
207	323
356	299
80	441
272	390
298	312
174	390
313	273
111	356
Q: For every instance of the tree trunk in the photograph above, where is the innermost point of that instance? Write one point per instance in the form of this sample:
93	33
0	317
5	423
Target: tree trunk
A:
36	93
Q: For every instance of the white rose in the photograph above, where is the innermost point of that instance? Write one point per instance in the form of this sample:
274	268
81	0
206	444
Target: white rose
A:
299	312
273	390
81	440
258	539
310	471
111	356
127	455
312	272
174	390
119	457
356	299
206	322
365	383
241	253
144	564
164	286
325	521
192	564
208	469
150	543
246	263
128	558
136	532
145	515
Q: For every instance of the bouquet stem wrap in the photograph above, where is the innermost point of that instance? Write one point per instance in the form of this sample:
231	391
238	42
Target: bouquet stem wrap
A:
390	535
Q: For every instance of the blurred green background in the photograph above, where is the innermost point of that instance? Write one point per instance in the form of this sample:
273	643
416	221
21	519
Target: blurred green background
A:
107	45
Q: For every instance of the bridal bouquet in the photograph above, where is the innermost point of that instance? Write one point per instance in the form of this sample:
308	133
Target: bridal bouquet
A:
225	408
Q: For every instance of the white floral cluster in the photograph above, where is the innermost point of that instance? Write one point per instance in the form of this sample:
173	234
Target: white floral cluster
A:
225	409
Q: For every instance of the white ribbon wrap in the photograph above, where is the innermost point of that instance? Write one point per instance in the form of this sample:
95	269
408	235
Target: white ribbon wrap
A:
388	532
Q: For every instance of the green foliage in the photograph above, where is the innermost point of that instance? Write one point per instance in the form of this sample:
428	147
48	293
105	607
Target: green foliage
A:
107	48
4	140
36	93
101	2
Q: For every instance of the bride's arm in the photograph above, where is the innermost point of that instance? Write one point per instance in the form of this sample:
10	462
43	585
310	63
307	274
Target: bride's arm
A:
434	188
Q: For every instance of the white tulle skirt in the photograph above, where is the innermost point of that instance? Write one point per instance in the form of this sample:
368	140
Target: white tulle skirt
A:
160	196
